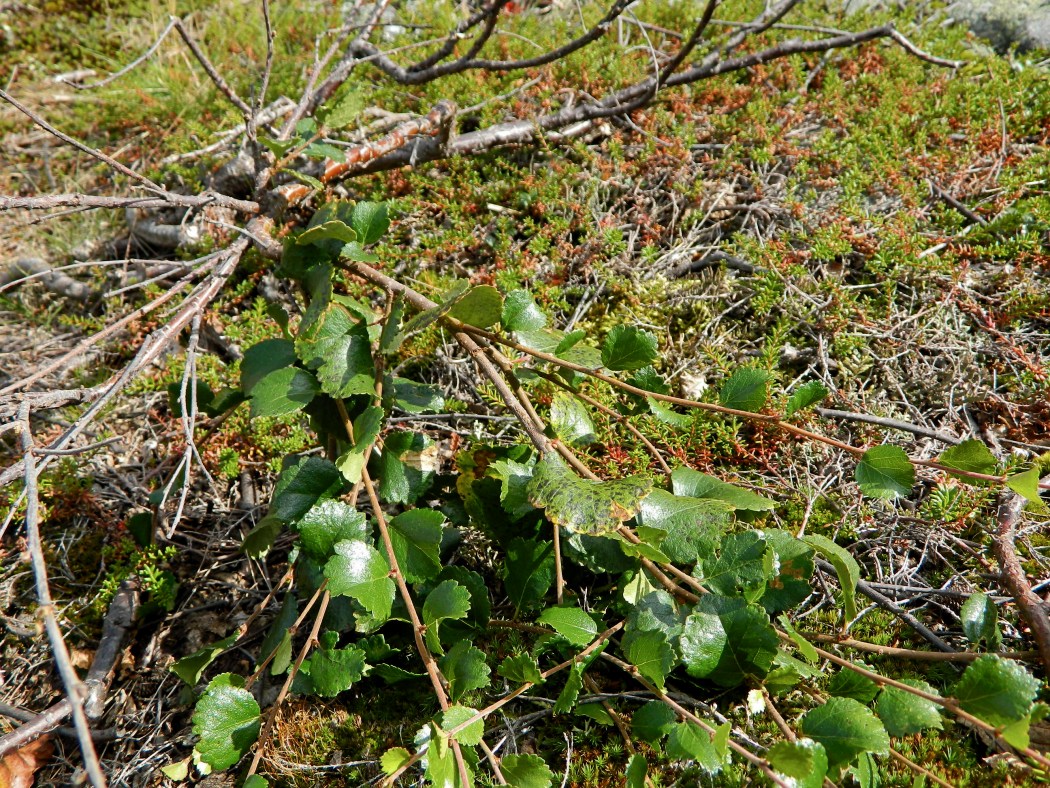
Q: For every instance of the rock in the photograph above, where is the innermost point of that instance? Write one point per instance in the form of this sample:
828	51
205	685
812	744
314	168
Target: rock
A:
1003	23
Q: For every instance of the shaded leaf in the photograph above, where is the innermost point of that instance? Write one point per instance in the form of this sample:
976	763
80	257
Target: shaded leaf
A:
528	571
653	721
693	526
413	397
227	720
636	769
521	669
338	348
301	485
263	358
805	396
432	315
331	230
571	691
190	667
850	684
652	655
449	600
739	569
846	728
329	670
789	566
465	668
885	472
514	480
804	761
407	466
727	640
582	505
687	740
627	348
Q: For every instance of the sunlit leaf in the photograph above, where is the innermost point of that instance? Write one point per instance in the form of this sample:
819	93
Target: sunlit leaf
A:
571	421
970	455
327	523
465	669
903	713
694	484
805	396
370	220
283	391
571	623
520	312
481	306
999	691
359	571
980	621
745	389
627	347
846	728
885	472
338	348
846	567
416	536
526	771
227	720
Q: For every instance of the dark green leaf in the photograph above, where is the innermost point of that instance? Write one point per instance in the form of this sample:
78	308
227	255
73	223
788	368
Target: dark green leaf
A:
999	691
653	721
278	639
573	684
406	466
636	769
190	668
338	347
846	728
687	740
226	719
528	571
652	655
430	316
464	667
885	472
970	455
745	389
727	640
571	623
520	312
627	347
806	395
329	670
582	505
449	600
283	391
571	339
370	221
301	485
413	397
571	421
739	570
390	337
416	536
480	307
327	523
846	568
903	713
850	684
261	538
526	771
687	482
980	621
789	566
702	642
302	177
357	570
521	669
596	711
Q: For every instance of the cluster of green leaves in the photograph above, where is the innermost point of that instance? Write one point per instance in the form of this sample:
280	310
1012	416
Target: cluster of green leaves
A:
738	633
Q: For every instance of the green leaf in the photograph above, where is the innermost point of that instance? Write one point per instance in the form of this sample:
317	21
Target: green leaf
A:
367	427
804	646
846	568
343	111
278	640
970	455
739	570
596	711
571	421
851	684
571	691
334	230
302	177
190	667
263	358
355	252
1027	484
1017	734
806	395
283	391
301	485
407	466
430	316
745	389
390	337
260	539
627	347
687	740
338	347
581	505
903	713
728	640
520	312
980	621
846	728
804	761
413	397
327	523
789	566
514	480
687	482
652	655
528	571
636	770
571	339
521	669
329	670
665	414
480	307
416	536
997	690
571	623
464	667
370	221
357	570
885	472
526	771
653	721
177	771
449	600
693	526
457	715
393	759
227	719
